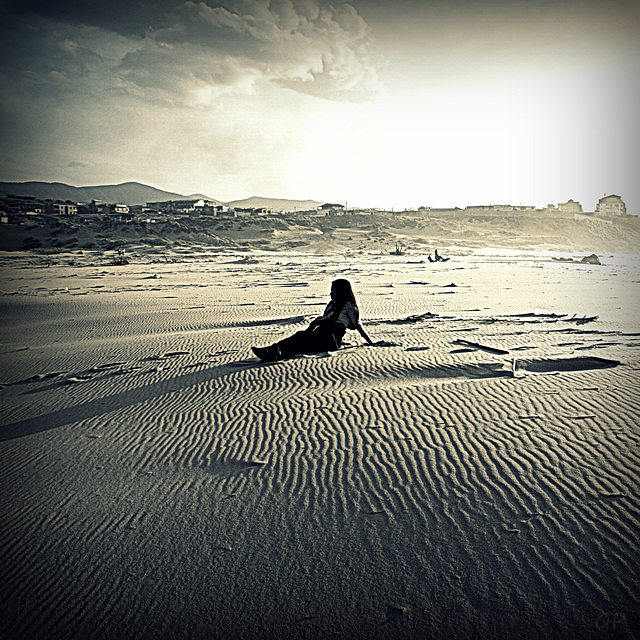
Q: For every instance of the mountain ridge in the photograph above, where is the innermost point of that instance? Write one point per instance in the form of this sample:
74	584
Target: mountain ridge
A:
129	193
277	204
136	193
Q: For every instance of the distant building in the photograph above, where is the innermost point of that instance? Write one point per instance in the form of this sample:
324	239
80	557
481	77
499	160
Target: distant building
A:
369	211
331	209
478	208
97	206
23	204
611	206
61	208
121	211
198	207
252	211
497	208
570	207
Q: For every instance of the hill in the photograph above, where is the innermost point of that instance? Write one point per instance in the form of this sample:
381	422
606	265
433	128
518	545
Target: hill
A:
277	204
130	193
414	234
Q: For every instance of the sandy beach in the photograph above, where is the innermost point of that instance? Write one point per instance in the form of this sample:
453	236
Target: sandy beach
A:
477	479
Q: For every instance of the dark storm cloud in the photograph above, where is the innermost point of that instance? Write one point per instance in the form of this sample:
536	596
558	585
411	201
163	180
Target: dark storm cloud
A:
310	48
126	17
177	49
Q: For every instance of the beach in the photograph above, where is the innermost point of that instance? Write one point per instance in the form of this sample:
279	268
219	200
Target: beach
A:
477	477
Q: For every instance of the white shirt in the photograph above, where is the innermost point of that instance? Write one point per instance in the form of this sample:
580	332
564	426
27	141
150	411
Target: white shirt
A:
348	315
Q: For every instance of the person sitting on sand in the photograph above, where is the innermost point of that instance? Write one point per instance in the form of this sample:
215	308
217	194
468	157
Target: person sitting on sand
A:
437	258
325	333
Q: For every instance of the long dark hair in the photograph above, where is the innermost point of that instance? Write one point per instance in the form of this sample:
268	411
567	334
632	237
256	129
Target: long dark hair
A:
343	294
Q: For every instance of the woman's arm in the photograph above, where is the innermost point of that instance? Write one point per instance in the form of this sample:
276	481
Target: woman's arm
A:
364	334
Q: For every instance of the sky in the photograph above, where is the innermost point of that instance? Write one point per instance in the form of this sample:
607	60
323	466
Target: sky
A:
369	103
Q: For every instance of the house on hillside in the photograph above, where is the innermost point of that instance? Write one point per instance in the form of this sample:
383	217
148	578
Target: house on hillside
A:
478	208
497	208
369	211
23	204
207	208
98	206
571	206
198	206
61	208
611	206
331	209
253	211
122	212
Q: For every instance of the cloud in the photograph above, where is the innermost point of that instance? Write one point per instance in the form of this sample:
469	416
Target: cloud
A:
80	57
197	53
324	51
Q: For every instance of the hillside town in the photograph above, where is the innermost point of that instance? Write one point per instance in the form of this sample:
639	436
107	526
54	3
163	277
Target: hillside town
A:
11	205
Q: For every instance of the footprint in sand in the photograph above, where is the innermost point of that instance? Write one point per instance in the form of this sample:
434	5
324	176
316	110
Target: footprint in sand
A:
394	613
77	379
111	365
45	376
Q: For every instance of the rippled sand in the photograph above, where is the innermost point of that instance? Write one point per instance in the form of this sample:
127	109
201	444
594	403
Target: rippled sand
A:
478	479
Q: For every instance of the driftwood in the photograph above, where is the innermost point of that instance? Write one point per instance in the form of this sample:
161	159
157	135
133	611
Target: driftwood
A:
541	313
482	347
415	318
592	259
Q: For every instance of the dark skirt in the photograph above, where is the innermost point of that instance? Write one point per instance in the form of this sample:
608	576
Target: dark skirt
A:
316	340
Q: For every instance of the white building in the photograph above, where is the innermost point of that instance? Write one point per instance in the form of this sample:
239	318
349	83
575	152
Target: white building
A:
611	206
61	209
332	209
570	206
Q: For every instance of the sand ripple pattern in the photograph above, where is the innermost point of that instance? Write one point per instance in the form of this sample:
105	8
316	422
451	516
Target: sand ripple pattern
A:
162	480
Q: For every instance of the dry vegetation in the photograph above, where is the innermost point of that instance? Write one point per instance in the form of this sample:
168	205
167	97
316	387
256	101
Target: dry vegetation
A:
325	234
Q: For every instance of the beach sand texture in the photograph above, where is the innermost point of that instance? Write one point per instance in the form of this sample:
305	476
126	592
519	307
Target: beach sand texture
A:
159	481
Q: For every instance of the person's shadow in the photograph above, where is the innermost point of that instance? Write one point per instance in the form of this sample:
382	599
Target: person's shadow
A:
106	404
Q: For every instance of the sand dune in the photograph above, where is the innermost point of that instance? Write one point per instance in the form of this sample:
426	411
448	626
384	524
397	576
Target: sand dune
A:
477	478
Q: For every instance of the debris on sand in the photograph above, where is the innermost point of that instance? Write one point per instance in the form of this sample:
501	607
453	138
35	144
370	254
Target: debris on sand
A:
121	259
592	259
414	318
543	313
482	347
437	257
399	250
